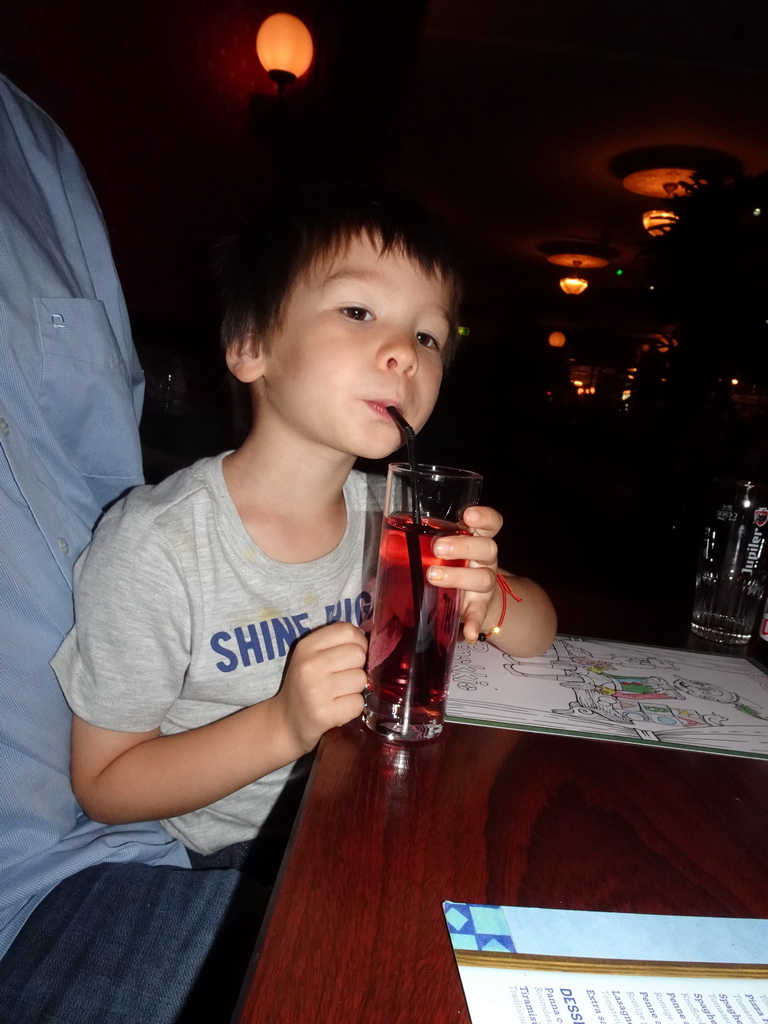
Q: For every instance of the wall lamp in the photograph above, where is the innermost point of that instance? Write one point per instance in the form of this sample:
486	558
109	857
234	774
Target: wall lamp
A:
284	47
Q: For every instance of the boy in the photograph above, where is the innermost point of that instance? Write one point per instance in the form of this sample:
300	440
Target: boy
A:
205	662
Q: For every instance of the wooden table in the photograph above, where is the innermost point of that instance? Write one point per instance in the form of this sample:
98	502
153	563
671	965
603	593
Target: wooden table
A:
355	931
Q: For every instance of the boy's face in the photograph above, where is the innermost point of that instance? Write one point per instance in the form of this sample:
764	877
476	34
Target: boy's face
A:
359	332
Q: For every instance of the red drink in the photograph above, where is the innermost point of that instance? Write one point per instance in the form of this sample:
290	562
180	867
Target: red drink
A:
415	623
410	655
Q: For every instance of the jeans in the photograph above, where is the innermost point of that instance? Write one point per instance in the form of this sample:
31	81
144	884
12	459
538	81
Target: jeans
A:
258	858
128	942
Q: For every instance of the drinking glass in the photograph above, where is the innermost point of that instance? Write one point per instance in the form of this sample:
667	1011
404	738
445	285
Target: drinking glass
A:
415	624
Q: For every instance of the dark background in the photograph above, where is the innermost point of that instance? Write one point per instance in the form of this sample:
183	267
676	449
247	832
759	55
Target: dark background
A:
507	118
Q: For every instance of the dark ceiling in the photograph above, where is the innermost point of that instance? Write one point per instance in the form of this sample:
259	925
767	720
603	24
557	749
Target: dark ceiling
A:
504	116
543	96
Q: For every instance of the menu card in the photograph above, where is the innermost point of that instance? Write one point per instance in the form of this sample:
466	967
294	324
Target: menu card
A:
605	690
536	966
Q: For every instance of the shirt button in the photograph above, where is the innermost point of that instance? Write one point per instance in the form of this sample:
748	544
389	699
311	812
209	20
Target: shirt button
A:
5	430
63	546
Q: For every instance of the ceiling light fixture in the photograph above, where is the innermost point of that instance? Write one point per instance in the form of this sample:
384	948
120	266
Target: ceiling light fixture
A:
672	170
660	182
658	222
577	259
573	285
578	256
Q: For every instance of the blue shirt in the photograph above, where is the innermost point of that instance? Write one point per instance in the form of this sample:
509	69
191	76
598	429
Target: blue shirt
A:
70	398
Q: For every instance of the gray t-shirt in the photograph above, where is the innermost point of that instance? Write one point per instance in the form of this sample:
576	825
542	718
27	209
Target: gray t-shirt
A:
180	619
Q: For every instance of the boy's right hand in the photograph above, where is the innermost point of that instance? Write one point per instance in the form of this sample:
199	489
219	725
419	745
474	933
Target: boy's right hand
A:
122	777
323	682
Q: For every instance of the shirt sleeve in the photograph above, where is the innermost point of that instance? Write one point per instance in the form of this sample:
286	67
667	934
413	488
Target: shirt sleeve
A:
123	663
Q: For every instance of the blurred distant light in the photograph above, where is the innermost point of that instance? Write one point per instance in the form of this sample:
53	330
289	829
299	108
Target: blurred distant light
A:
619	272
577	383
463	331
556	339
757	211
626	395
734	380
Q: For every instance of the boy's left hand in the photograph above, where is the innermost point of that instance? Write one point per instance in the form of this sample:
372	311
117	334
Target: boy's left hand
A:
478	580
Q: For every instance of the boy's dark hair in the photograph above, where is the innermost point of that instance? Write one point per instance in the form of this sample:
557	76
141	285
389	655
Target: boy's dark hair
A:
257	268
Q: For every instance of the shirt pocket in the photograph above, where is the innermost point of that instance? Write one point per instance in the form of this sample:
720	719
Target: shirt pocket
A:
85	390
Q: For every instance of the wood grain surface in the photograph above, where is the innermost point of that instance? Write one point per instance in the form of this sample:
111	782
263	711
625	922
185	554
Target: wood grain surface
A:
355	930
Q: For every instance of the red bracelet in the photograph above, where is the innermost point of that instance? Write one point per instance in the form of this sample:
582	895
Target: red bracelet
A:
505	589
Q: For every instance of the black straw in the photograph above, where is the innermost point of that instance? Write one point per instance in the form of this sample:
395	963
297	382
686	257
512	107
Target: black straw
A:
410	440
414	561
